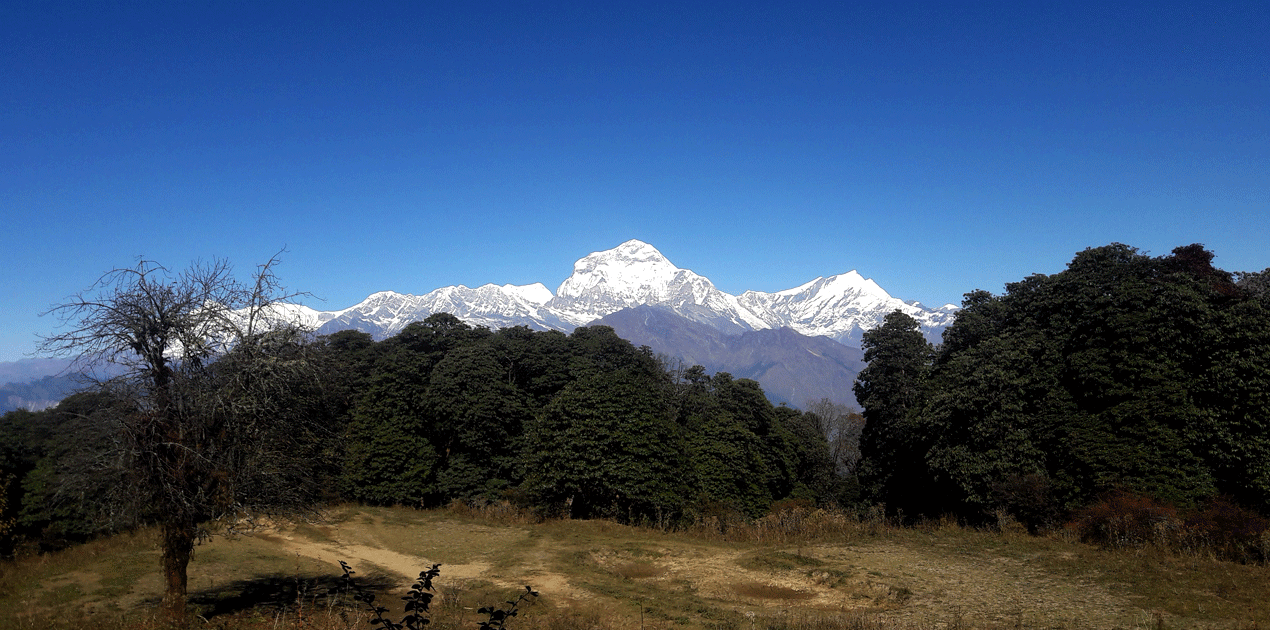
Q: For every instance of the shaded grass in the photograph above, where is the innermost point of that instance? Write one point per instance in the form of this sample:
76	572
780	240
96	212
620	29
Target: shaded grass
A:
282	592
777	561
768	591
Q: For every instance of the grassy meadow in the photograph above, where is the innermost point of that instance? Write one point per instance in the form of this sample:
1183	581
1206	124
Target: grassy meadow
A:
795	569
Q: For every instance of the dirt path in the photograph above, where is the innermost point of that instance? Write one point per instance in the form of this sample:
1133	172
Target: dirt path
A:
358	554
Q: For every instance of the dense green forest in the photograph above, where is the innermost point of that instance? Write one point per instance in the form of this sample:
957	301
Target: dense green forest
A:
583	425
1124	372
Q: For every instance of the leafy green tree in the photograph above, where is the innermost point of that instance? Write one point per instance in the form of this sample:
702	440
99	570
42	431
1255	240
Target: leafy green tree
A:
1128	332
892	388
70	489
434	337
25	438
1234	391
390	458
7	519
599	349
608	445
476	415
992	416
727	459
813	463
1121	372
537	363
350	358
743	400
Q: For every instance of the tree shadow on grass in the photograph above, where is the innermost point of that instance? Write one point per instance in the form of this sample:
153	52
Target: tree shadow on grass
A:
279	592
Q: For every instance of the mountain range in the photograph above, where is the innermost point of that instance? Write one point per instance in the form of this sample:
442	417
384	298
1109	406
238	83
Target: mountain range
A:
801	344
635	274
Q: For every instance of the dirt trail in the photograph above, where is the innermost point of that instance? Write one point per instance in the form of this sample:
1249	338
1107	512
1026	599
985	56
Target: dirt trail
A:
357	554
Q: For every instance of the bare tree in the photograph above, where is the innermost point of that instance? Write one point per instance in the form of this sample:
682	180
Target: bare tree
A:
211	386
841	425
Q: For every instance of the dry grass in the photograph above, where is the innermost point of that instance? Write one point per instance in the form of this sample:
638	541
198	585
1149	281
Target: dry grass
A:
797	569
639	570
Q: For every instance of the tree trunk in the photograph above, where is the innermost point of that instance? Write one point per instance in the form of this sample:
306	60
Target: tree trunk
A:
178	546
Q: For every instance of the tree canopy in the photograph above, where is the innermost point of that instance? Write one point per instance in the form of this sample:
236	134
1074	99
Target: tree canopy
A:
582	424
1124	371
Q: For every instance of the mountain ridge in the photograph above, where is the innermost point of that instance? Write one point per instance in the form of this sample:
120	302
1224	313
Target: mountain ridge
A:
778	338
840	307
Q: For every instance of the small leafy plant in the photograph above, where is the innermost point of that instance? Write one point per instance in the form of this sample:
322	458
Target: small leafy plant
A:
419	600
498	616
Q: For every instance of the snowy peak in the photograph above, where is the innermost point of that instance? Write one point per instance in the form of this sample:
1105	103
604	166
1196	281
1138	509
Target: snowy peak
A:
840	307
535	293
632	270
384	314
632	253
850	285
636	274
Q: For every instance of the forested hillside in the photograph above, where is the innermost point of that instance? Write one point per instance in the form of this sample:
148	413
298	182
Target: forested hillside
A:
36	395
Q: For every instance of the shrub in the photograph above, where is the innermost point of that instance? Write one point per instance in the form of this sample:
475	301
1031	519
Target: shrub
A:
1218	527
1027	498
1231	532
1122	519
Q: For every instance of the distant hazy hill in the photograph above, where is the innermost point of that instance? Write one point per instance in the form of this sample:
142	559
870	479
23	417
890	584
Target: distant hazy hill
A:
38	394
27	370
792	367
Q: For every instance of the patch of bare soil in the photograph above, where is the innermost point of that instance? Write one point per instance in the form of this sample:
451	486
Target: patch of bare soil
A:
361	545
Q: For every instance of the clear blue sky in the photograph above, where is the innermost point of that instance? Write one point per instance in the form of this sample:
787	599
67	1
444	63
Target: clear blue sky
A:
936	147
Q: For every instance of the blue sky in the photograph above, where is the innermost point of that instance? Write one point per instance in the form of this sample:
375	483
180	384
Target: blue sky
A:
935	147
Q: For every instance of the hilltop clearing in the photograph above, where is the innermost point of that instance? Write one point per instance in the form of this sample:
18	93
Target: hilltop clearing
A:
923	577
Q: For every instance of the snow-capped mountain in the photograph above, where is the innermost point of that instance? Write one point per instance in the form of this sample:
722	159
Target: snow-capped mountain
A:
650	301
384	314
841	307
635	274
